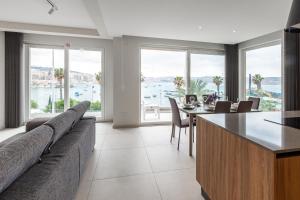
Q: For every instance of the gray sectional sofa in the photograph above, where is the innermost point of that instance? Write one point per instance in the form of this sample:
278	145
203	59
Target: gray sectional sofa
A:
48	160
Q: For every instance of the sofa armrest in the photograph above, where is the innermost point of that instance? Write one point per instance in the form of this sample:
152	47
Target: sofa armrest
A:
34	123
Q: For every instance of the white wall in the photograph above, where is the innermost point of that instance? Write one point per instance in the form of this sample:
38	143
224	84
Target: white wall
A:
2	81
127	73
76	42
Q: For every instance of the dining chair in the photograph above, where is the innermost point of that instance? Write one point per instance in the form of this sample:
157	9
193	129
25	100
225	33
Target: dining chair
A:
256	102
244	106
222	107
177	121
189	97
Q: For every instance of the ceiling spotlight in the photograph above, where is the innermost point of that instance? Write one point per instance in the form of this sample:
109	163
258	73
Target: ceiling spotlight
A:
53	7
200	28
234	31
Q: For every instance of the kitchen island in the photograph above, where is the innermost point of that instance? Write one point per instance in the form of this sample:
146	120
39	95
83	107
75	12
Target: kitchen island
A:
247	157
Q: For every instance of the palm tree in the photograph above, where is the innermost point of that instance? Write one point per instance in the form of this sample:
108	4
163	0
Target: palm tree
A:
179	82
59	75
218	80
99	77
197	87
257	79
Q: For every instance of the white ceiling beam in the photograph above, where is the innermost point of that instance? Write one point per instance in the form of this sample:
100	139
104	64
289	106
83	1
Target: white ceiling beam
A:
48	29
95	13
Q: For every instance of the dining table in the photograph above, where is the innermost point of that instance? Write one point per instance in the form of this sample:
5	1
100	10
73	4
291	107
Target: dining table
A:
197	110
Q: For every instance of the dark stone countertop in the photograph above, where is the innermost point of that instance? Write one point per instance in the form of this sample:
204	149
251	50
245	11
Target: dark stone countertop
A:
254	127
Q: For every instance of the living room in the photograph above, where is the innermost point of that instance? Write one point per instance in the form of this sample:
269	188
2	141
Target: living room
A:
99	77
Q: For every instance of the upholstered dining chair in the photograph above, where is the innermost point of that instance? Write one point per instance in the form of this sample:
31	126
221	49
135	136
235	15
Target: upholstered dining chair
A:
256	102
177	121
222	107
244	106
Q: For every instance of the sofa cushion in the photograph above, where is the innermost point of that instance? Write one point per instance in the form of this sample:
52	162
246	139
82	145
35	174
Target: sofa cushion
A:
32	124
20	154
85	131
55	178
80	109
61	124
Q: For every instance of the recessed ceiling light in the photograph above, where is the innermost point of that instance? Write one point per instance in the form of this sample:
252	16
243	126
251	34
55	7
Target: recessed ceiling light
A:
200	28
234	31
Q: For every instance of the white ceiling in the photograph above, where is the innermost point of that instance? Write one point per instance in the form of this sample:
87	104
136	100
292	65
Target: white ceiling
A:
71	13
173	19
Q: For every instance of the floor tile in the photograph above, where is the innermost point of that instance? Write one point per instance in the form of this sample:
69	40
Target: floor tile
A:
179	185
100	138
142	187
104	128
164	158
83	190
123	140
153	136
7	133
91	166
122	162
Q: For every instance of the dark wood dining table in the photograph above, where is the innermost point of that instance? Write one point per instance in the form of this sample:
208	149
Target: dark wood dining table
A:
204	109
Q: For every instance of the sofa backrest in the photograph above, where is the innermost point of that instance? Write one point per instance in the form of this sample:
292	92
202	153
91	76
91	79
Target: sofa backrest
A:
61	124
80	109
18	155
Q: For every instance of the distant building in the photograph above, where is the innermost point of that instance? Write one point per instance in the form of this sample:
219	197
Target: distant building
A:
42	77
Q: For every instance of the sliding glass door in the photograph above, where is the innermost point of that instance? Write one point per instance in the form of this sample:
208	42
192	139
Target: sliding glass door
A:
52	84
163	75
86	79
46	81
166	73
263	76
207	74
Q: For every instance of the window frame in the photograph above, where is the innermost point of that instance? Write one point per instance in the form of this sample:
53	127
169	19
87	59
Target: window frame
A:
189	51
243	66
208	52
66	49
98	118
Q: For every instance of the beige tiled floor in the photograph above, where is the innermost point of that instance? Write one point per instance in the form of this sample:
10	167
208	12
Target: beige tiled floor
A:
139	164
6	133
136	164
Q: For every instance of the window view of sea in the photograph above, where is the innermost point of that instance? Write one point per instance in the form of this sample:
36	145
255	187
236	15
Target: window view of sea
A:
155	91
78	92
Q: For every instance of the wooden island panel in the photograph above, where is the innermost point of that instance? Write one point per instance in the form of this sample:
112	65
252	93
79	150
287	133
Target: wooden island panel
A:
258	169
288	178
218	156
232	168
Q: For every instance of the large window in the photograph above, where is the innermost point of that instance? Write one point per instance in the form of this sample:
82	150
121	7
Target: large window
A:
207	74
162	75
86	78
48	82
263	76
